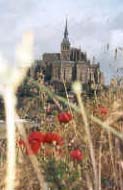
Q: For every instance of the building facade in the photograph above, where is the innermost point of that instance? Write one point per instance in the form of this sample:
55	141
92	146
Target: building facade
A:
70	64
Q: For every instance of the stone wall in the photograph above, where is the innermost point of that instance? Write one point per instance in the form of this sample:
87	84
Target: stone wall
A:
66	71
82	72
56	67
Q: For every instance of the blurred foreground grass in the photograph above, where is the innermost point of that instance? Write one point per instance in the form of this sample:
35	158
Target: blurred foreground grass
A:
59	170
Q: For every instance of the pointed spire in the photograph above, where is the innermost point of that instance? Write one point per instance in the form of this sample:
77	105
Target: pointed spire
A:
66	31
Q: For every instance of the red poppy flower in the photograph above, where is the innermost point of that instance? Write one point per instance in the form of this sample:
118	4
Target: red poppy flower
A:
64	117
34	142
76	155
103	110
53	137
35	139
36	136
34	147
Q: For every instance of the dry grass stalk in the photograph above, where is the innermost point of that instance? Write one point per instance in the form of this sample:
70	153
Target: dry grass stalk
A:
10	123
87	130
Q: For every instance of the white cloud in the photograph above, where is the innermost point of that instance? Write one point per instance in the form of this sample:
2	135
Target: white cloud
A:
117	38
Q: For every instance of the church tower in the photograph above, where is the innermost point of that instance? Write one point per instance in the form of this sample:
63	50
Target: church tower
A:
65	45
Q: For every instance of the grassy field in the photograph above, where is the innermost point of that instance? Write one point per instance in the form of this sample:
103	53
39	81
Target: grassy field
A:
84	151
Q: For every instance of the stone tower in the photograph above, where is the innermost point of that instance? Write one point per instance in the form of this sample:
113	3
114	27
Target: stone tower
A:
65	45
70	64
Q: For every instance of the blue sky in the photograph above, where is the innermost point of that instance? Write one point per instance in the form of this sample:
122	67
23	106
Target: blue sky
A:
92	24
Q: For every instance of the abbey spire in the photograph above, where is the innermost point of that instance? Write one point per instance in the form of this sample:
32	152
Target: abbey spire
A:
65	45
66	31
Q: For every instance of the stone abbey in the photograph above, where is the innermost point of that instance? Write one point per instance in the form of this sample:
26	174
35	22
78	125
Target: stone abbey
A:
69	65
